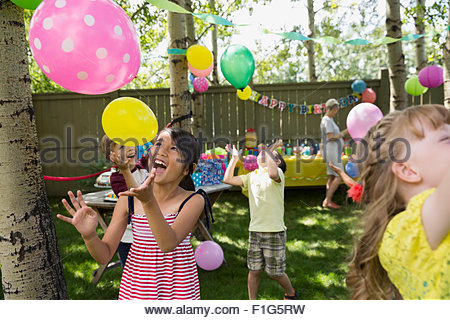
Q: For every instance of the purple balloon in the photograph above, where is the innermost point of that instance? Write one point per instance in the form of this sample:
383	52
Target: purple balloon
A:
209	255
431	76
361	118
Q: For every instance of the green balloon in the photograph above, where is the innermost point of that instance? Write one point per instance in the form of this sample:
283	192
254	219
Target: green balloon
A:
413	87
27	4
237	65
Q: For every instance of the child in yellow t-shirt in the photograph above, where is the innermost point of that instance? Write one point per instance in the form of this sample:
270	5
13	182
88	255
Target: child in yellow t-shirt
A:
404	251
267	239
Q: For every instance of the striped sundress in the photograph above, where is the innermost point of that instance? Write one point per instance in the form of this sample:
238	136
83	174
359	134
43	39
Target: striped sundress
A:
150	273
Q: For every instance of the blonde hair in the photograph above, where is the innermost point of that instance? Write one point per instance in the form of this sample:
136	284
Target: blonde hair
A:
366	277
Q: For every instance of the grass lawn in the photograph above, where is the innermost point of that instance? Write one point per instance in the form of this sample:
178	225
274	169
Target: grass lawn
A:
319	243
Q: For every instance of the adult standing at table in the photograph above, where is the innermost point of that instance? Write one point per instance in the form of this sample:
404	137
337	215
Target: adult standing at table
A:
333	145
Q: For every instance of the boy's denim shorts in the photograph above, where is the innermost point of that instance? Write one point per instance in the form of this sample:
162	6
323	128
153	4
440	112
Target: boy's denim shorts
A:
269	249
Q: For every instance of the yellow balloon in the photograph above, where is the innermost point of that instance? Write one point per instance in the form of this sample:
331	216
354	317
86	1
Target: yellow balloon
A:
244	94
129	122
199	57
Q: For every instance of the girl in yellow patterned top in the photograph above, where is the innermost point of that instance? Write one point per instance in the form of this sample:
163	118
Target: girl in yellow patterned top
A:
404	250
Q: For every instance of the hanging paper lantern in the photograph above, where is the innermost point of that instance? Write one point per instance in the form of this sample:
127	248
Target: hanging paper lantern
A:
431	76
129	122
200	84
244	94
199	57
201	73
369	95
413	87
85	46
359	86
27	4
250	162
361	118
237	65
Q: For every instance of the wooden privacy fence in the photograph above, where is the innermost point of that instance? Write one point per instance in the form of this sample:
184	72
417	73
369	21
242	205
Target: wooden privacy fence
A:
69	125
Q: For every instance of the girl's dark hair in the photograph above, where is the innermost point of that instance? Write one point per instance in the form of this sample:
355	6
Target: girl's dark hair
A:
190	152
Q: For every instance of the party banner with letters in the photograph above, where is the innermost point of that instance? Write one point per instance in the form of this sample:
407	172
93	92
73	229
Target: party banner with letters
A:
317	108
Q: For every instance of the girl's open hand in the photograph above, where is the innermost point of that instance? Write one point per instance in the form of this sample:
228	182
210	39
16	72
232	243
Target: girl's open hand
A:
84	218
144	192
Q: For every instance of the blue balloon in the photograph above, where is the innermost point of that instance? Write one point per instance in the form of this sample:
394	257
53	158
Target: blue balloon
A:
352	169
191	77
359	86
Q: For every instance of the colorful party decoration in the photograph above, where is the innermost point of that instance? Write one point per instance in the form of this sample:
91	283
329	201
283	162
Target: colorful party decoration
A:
352	169
94	51
361	118
214	19
201	73
250	162
359	86
27	4
199	57
317	108
244	94
200	84
237	65
431	76
413	86
369	95
129	122
209	255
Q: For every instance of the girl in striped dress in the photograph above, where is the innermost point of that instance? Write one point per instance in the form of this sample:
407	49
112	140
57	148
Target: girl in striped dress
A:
161	262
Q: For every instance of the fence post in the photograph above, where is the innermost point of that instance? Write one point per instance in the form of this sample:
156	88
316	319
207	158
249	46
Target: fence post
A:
384	93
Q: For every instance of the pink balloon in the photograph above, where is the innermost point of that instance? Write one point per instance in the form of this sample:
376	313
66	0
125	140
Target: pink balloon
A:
431	76
85	46
209	255
200	84
369	95
201	73
250	162
361	118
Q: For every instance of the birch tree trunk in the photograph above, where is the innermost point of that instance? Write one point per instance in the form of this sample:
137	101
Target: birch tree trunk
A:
421	59
197	98
447	66
215	73
397	68
29	256
310	44
180	97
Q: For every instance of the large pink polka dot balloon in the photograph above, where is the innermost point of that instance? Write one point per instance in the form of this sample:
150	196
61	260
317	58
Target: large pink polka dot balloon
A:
85	46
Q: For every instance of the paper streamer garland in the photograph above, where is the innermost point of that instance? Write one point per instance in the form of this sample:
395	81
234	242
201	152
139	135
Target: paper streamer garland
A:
214	19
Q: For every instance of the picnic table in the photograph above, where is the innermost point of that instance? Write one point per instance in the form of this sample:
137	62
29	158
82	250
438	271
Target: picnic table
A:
104	208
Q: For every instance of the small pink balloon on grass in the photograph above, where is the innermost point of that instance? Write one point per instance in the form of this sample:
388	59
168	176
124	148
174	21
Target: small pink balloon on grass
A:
361	118
209	255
